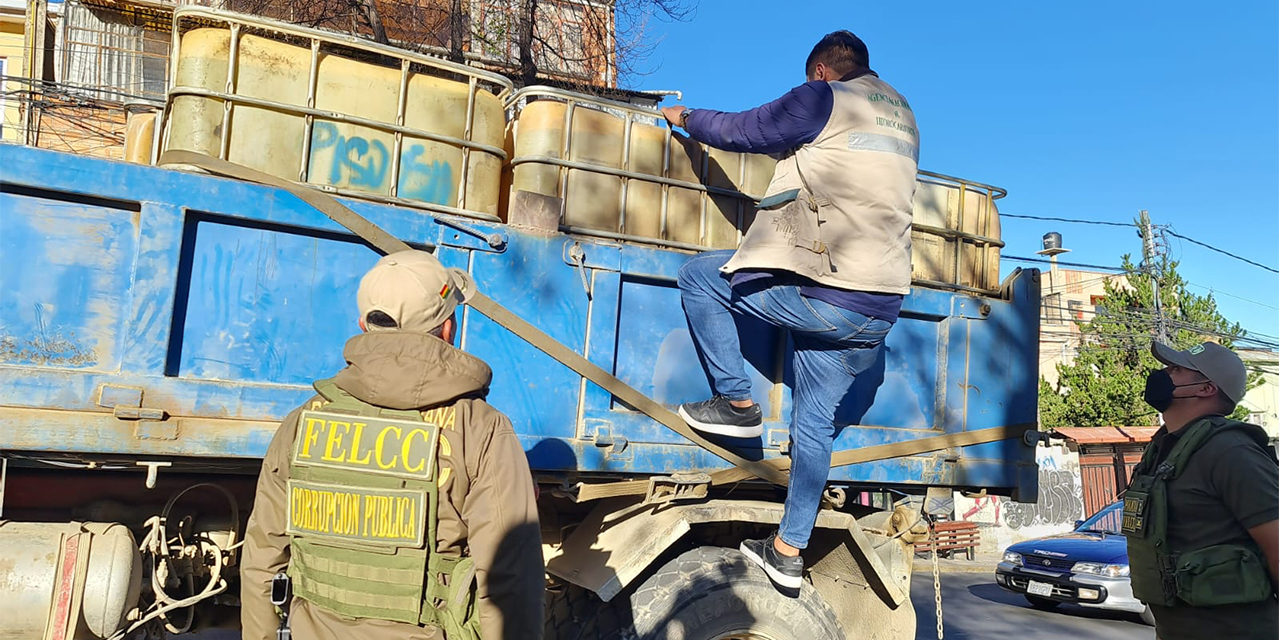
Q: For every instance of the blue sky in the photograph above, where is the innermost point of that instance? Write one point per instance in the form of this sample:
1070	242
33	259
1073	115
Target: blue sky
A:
1090	110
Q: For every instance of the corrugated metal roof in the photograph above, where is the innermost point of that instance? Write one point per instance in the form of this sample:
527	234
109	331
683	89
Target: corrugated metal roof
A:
1106	435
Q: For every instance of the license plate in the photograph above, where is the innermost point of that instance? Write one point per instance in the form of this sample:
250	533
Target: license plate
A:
1039	588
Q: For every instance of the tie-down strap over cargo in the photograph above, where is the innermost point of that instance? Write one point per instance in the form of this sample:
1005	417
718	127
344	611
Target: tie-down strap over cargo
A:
773	471
589	492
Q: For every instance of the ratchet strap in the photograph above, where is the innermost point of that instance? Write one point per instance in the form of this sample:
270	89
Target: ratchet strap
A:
589	492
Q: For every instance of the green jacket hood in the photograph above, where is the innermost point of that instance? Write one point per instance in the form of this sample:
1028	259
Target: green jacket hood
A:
410	370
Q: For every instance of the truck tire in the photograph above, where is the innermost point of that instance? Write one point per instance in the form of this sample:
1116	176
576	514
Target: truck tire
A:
709	593
573	613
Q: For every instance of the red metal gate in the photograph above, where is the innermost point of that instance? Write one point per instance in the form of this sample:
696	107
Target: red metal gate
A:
1107	458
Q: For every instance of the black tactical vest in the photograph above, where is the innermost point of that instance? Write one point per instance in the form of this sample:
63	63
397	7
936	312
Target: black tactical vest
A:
1211	576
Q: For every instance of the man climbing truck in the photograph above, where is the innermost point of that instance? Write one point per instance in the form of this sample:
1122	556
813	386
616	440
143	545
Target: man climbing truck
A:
158	322
827	260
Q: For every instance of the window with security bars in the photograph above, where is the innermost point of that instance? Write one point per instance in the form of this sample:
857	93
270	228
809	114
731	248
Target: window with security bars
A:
1052	312
120	55
1097	301
1076	308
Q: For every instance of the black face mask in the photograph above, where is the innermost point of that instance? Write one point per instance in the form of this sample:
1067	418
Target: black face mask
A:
1160	387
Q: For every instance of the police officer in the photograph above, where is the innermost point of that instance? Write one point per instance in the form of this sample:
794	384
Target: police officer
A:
1200	511
397	501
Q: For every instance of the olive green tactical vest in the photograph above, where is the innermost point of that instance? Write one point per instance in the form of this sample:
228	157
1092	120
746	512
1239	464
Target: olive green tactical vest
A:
362	518
1212	576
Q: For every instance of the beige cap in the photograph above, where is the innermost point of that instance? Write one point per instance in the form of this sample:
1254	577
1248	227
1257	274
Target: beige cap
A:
414	289
1217	363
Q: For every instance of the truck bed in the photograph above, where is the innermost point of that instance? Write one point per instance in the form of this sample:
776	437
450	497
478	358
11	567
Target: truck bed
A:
158	314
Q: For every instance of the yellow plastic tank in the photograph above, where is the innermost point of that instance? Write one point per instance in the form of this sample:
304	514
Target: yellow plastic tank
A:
139	135
269	131
618	171
955	237
663	194
642	181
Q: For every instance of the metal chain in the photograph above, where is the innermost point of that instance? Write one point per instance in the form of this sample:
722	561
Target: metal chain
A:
937	584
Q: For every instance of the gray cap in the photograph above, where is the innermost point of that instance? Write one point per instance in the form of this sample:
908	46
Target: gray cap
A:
1217	363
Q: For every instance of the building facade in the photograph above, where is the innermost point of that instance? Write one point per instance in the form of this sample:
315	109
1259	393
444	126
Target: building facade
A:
102	61
1263	401
1068	296
1071	296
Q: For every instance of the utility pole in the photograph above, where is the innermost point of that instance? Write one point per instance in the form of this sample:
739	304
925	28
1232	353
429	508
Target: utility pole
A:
1149	263
33	59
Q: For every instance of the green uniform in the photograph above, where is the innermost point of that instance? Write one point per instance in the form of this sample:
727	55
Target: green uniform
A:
401	504
1221	482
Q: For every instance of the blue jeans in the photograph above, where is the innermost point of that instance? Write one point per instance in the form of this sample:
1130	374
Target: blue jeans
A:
832	346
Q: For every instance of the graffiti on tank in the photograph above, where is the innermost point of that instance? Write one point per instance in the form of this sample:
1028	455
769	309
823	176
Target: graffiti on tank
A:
361	163
421	181
1059	502
353	161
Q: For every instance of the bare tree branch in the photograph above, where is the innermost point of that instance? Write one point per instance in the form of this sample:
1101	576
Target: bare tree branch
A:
587	44
368	10
458	19
526	17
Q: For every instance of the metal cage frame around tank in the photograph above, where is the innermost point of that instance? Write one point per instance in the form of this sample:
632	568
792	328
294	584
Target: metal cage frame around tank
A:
985	244
630	114
186	18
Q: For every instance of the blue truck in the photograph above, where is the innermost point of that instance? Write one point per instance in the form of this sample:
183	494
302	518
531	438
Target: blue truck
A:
156	322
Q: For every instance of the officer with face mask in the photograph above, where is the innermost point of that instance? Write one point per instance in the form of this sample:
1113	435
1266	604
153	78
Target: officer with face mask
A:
1200	512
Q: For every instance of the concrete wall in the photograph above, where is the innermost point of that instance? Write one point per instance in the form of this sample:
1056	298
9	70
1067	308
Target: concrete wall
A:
1003	522
11	41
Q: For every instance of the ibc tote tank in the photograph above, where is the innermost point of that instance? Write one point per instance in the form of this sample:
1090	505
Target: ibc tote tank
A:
329	110
619	171
955	234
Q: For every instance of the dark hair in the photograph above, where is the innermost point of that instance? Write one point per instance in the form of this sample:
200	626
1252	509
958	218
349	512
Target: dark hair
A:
380	319
840	50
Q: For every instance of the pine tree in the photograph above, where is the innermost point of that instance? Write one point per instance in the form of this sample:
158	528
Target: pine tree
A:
1103	385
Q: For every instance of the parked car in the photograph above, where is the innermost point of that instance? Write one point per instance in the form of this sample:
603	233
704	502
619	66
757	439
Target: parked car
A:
1088	566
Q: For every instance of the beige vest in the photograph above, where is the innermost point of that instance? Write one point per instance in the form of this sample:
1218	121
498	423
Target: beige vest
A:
849	222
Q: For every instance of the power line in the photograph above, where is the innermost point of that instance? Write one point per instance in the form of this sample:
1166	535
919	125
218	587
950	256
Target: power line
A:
1060	325
1135	311
1211	290
1207	331
1225	253
1067	264
1072	220
61	86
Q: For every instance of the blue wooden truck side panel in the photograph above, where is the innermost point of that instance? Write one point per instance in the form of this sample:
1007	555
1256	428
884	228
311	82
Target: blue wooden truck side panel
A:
219	301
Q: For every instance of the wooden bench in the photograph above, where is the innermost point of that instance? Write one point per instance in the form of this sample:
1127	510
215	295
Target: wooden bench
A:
952	536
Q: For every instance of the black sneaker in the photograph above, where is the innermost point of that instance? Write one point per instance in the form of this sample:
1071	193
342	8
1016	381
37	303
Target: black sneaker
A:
784	570
719	417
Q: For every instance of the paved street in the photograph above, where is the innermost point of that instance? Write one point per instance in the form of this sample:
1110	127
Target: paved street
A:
974	607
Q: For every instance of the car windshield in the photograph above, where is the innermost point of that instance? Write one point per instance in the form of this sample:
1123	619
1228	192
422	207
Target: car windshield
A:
1105	521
